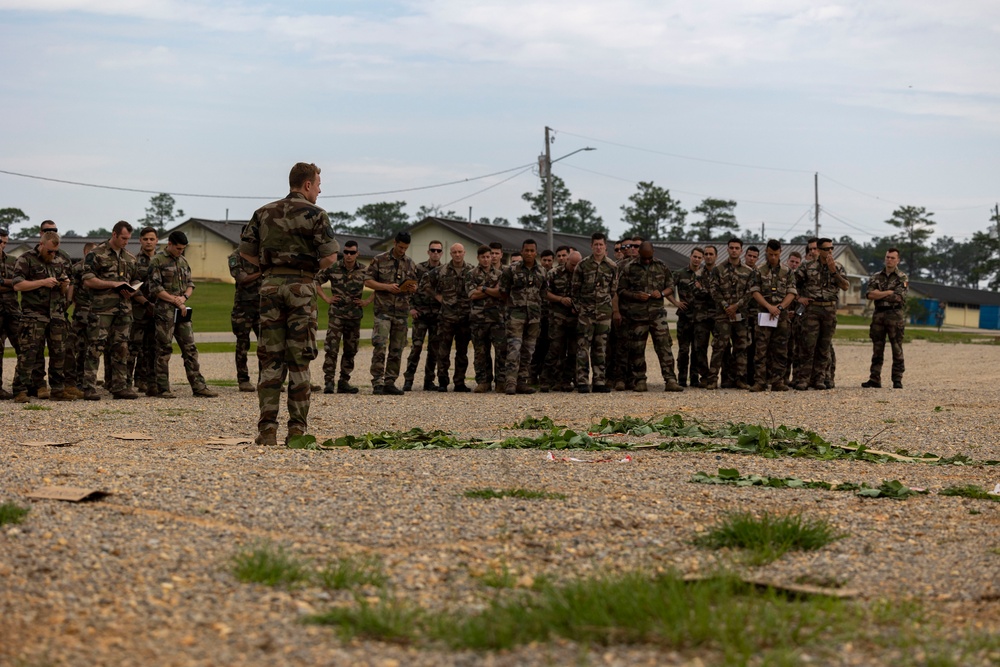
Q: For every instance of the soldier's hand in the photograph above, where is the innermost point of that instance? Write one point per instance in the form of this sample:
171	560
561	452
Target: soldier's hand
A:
617	317
641	296
150	308
774	311
49	282
335	299
731	310
358	302
683	305
393	289
414	313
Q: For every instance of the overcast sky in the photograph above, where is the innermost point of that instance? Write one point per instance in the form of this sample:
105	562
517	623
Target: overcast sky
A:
891	102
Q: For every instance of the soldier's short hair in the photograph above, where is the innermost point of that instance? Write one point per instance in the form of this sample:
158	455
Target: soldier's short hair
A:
146	230
351	244
774	244
812	239
300	173
548	253
496	245
50	237
528	242
87	247
562	247
735	240
713	248
120	225
402	237
4	232
895	250
824	241
598	236
177	238
638	239
698	249
433	242
795	253
482	250
753	248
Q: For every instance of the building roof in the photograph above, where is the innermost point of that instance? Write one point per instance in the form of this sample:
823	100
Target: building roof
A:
72	245
963	295
230	230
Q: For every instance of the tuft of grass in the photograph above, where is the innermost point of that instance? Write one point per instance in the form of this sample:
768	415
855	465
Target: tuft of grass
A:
523	494
969	491
269	564
498	577
11	513
386	619
348	573
36	406
768	537
222	383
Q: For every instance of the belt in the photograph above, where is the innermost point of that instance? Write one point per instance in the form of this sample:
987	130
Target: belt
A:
878	308
822	303
285	271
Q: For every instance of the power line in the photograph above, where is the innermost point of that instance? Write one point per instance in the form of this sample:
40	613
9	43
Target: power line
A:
509	178
796	223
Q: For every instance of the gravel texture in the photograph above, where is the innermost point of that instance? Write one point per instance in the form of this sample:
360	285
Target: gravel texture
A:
143	576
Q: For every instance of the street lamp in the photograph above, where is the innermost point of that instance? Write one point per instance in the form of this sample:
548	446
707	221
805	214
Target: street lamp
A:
548	179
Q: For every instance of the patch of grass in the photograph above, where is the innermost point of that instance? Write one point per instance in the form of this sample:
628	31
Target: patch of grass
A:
523	494
969	491
35	406
498	577
386	619
177	412
768	537
271	565
11	513
222	383
347	573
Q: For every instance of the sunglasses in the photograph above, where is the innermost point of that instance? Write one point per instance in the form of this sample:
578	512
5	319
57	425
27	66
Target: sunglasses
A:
350	252
436	250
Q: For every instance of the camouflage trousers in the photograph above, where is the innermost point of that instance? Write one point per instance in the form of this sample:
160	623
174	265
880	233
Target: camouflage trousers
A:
704	329
685	343
794	345
751	374
76	347
10	325
728	332
166	331
818	327
617	353
33	337
560	362
388	339
450	330
771	355
522	335
347	329
489	367
591	348
541	348
244	321
889	324
142	349
110	331
37	366
659	330
423	326
286	345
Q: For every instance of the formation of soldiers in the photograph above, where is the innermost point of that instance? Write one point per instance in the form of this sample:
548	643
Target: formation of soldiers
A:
111	305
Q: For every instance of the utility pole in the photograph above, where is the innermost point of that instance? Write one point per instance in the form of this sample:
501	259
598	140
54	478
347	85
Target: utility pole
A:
548	185
816	192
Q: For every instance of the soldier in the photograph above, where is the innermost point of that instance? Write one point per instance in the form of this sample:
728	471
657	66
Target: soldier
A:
547	260
10	314
773	290
346	307
642	287
448	285
76	333
687	287
290	240
393	277
794	320
170	284
887	289
141	368
246	313
560	362
42	278
496	254
619	374
750	257
425	312
523	284
704	321
729	285
486	321
594	291
37	386
818	282
109	272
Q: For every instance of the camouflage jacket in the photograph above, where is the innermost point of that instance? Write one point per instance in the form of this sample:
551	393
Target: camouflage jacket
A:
239	269
449	283
44	303
81	293
524	289
387	269
8	297
594	286
689	288
815	281
772	284
729	284
348	284
488	309
422	300
169	275
104	263
643	278
895	281
291	233
560	282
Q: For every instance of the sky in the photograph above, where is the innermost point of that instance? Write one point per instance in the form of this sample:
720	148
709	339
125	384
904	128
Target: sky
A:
891	103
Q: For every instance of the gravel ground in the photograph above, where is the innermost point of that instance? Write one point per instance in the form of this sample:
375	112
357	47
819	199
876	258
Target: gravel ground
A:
142	577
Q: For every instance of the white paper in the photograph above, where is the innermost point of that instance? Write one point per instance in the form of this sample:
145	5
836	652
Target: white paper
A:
766	319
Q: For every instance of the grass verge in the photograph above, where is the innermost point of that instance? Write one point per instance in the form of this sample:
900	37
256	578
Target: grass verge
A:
271	565
523	494
768	537
11	513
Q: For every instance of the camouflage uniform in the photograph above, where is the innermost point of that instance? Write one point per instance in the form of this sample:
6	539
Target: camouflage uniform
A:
173	276
729	284
391	311
815	281
525	289
618	371
246	311
542	343
772	342
289	237
560	362
486	321
593	288
76	334
10	316
343	318
43	318
647	318
110	315
889	320
449	283
38	365
142	344
704	324
425	325
686	289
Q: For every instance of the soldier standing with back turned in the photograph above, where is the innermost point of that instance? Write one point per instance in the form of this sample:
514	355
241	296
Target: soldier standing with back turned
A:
246	313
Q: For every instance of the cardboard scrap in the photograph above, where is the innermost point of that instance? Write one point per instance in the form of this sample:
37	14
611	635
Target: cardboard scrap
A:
73	494
898	457
49	443
229	441
797	590
131	436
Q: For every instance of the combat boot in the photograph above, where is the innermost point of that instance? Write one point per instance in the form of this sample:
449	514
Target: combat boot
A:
5	395
391	390
267	438
525	389
779	386
345	387
293	431
126	394
203	392
601	389
740	384
22	397
897	384
482	388
758	387
672	385
872	384
462	388
91	395
707	383
245	385
640	386
62	395
43	392
72	391
140	386
408	385
429	385
620	385
511	388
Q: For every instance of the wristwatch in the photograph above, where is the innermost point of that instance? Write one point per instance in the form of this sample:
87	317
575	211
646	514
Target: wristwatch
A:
781	308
